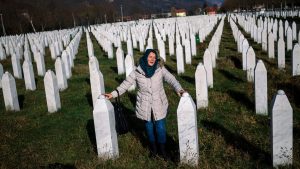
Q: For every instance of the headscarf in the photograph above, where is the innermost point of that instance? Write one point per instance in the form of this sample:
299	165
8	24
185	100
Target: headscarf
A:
149	70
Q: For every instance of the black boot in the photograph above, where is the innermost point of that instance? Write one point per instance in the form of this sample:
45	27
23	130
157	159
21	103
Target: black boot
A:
153	149
163	152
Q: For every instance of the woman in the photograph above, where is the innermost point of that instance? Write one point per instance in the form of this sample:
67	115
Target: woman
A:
152	103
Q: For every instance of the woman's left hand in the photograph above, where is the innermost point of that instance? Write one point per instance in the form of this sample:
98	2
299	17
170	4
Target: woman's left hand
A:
180	93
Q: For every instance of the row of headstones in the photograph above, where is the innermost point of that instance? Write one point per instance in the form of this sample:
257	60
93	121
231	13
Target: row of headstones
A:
267	41
52	82
204	72
280	13
281	113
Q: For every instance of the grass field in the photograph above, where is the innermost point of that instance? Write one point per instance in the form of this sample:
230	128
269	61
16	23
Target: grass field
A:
230	134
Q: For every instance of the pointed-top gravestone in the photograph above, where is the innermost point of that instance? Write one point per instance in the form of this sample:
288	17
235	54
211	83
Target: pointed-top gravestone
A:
162	50
105	131
28	76
40	64
1	74
129	66
120	61
271	46
187	49
289	39
296	60
245	48
281	54
294	30
250	64
261	89
97	84
52	92
171	46
208	67
67	65
17	69
201	87
282	130
93	64
10	94
187	131
264	38
179	59
61	74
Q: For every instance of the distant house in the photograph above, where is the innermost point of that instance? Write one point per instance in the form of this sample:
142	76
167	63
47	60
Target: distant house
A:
178	12
211	10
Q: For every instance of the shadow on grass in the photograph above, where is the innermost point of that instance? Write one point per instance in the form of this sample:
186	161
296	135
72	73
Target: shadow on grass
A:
21	99
230	76
170	69
89	98
242	98
90	128
58	166
239	142
237	62
114	68
188	79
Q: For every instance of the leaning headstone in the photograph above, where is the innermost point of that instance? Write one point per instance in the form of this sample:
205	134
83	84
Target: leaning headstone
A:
1	74
97	84
179	59
271	46
208	67
281	53
201	87
296	60
10	94
250	64
105	131
60	74
17	69
28	75
282	130
120	61
261	89
52	92
187	130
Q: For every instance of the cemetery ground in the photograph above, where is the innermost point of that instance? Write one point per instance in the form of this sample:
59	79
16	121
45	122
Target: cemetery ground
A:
231	135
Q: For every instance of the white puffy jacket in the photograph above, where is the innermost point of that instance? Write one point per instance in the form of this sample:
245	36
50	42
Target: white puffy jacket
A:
151	93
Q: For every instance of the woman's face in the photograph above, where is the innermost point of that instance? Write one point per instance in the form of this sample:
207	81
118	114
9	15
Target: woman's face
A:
151	58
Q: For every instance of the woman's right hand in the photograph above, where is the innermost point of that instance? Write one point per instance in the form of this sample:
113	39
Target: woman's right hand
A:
108	95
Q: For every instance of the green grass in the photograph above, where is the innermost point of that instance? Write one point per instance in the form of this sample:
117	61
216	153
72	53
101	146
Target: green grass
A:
230	134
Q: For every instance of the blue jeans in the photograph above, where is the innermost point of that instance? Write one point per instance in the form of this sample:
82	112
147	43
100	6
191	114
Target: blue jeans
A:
160	130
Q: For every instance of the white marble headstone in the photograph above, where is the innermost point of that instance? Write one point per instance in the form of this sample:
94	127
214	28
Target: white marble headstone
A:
245	48
129	66
29	75
105	131
17	69
201	86
120	61
261	89
52	92
296	60
289	39
271	46
179	59
251	62
281	54
60	74
282	130
188	131
208	67
97	84
10	94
